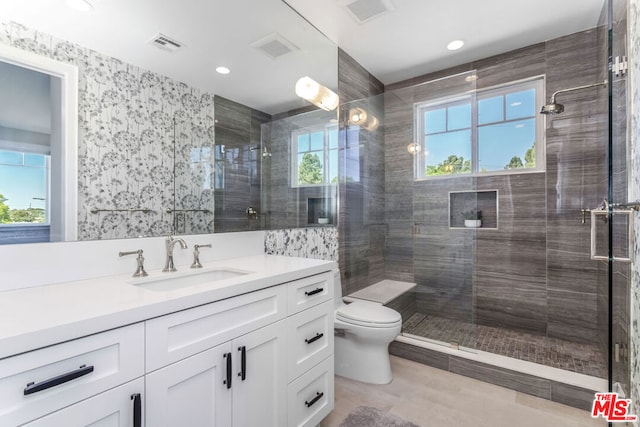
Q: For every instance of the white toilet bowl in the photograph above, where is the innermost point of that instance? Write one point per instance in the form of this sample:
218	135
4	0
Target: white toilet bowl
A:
363	332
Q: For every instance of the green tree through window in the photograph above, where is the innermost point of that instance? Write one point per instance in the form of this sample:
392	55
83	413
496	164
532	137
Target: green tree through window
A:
4	211
452	165
310	169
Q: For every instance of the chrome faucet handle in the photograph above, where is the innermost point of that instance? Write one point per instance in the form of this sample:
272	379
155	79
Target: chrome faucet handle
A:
140	259
196	255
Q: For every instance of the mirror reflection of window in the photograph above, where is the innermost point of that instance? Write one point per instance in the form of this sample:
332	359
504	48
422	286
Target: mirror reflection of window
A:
315	156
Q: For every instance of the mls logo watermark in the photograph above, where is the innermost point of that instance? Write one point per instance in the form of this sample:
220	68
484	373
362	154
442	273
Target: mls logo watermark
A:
612	408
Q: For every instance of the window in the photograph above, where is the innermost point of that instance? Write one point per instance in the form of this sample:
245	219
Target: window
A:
314	155
492	131
24	188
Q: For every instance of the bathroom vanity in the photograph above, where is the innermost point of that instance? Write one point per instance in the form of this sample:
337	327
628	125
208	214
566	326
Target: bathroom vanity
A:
240	342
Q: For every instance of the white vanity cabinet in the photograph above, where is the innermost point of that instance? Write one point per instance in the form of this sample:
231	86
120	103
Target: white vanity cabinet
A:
235	362
263	358
39	383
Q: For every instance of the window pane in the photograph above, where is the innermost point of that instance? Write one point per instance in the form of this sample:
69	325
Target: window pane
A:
507	146
435	121
521	104
333	166
490	110
317	141
448	153
303	143
333	138
10	158
459	117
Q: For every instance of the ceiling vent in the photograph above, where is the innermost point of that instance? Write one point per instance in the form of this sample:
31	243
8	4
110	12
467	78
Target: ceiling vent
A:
165	43
274	45
365	10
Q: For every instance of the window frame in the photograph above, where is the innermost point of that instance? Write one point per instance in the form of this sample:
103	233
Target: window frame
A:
326	150
474	96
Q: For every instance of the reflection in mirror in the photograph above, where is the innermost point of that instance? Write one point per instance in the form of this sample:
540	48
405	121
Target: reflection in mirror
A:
300	170
37	148
145	112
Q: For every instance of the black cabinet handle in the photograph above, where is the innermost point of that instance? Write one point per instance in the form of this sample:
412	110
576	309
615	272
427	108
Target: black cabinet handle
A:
243	362
315	291
228	380
314	339
314	400
137	410
60	379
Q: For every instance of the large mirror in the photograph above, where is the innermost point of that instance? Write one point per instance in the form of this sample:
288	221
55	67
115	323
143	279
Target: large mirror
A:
165	143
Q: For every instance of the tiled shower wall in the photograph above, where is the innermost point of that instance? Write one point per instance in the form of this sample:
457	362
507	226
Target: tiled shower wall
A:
361	191
126	141
634	194
534	272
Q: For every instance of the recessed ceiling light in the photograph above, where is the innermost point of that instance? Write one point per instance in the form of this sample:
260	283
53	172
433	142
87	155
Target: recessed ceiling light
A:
81	5
223	70
455	45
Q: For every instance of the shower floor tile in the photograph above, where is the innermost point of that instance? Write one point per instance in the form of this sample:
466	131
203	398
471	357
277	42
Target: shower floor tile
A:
576	357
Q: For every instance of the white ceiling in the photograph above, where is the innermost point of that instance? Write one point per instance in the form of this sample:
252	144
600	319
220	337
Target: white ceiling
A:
214	32
404	43
411	40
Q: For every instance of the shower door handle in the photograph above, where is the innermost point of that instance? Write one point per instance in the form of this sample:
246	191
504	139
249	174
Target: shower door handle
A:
600	212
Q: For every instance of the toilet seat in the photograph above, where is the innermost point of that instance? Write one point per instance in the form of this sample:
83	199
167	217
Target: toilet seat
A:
368	314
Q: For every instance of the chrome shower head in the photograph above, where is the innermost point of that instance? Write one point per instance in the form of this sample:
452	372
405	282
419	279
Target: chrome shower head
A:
553	108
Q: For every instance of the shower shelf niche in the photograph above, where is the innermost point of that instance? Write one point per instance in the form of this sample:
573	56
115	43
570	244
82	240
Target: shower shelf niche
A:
485	201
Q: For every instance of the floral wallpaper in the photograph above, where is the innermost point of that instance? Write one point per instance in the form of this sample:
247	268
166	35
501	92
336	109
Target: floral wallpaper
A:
634	76
316	242
129	119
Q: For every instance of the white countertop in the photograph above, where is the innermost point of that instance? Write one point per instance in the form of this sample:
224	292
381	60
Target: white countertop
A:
45	315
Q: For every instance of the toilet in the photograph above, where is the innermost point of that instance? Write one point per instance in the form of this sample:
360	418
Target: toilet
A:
363	331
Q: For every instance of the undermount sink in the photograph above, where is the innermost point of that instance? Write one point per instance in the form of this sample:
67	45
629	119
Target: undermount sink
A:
172	282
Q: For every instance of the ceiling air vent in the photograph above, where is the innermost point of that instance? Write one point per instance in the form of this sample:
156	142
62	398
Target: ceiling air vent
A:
365	10
274	45
165	43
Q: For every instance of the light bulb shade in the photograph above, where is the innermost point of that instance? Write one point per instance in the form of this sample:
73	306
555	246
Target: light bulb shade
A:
358	116
315	93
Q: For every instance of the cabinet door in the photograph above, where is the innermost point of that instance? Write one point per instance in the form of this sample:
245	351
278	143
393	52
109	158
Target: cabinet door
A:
192	392
113	408
260	398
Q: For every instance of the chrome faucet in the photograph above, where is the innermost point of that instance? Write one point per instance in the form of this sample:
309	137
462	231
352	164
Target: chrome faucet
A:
170	242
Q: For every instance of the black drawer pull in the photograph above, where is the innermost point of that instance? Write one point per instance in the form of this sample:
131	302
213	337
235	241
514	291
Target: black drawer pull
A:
243	363
137	410
60	379
314	400
314	339
313	292
228	380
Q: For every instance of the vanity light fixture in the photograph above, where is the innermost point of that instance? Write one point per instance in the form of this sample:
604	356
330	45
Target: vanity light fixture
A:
359	116
315	93
80	5
223	70
455	45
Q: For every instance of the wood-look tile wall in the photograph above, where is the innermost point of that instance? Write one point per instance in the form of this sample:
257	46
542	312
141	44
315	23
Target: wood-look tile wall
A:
237	127
361	191
534	273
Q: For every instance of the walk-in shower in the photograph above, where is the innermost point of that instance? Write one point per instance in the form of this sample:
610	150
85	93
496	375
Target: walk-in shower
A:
521	291
556	108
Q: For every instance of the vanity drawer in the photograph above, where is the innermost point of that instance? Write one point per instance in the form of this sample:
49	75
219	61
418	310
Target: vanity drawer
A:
81	368
310	291
310	338
179	335
310	397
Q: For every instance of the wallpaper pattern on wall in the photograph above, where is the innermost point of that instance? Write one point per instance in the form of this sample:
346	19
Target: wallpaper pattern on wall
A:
128	121
318	242
634	339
